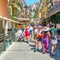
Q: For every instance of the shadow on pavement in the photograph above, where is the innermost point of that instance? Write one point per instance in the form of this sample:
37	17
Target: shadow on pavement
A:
32	46
57	55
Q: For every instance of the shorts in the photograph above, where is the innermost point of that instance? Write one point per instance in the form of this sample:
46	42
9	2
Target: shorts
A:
20	36
27	35
54	42
45	41
35	36
31	32
39	39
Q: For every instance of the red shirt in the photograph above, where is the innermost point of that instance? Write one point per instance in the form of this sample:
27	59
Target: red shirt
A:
27	32
39	35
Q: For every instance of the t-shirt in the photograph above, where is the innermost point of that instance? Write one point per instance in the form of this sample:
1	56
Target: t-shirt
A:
40	34
36	31
31	29
53	32
19	33
45	39
27	30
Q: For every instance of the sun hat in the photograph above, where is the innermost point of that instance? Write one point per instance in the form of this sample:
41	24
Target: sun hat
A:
52	24
46	29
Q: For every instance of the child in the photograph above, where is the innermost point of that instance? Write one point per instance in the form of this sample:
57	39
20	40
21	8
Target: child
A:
45	41
38	38
19	35
27	33
53	32
35	39
31	32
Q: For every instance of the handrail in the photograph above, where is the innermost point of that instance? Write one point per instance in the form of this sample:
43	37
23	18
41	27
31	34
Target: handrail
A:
2	34
4	18
26	19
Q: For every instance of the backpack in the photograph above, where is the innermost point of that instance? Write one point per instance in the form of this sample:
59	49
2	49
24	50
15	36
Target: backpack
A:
53	33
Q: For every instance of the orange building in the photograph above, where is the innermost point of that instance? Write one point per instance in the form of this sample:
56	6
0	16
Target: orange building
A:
3	12
4	8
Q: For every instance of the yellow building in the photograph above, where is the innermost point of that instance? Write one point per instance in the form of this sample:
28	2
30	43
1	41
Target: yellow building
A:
38	12
50	11
44	8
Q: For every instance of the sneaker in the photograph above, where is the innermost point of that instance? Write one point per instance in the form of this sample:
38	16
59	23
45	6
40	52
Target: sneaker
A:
43	52
23	41
40	50
27	42
53	53
47	51
35	49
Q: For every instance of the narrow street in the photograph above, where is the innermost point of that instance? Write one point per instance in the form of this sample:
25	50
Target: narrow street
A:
36	22
24	51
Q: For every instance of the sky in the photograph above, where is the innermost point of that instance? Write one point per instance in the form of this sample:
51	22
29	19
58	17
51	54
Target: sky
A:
30	2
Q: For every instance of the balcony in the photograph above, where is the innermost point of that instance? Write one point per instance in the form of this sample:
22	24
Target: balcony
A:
53	9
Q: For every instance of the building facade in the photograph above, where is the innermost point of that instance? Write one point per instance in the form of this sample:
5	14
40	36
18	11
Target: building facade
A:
3	12
4	8
51	10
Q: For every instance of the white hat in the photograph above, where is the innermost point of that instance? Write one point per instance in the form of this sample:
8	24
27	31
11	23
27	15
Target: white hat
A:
46	29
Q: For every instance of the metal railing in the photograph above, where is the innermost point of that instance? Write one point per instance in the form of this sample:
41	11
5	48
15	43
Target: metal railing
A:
2	37
6	19
1	42
6	40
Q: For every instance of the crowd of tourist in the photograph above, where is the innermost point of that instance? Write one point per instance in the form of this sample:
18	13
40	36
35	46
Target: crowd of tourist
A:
41	35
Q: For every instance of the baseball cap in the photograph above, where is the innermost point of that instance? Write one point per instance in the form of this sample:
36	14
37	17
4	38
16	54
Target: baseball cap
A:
39	26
